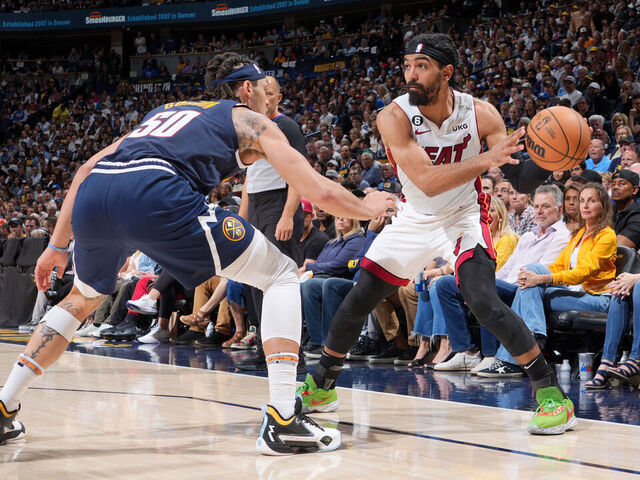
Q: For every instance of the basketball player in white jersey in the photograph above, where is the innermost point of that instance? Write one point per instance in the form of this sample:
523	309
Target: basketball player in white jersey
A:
434	136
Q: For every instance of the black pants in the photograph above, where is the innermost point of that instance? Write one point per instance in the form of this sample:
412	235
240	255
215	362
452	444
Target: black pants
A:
169	288
476	277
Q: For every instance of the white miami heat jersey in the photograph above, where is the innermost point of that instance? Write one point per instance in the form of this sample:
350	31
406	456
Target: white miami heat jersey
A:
455	141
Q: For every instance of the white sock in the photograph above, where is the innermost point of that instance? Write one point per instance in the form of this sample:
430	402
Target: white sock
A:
282	368
24	372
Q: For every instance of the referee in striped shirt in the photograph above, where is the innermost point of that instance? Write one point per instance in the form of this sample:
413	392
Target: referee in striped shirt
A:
272	207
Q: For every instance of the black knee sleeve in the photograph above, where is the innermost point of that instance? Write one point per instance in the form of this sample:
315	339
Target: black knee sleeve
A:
476	278
359	302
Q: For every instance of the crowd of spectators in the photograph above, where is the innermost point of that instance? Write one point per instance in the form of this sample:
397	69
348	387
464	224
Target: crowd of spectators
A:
583	56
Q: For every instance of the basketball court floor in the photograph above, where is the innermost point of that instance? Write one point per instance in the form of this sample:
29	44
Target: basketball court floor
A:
122	411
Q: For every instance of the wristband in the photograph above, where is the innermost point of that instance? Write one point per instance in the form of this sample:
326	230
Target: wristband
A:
56	249
441	270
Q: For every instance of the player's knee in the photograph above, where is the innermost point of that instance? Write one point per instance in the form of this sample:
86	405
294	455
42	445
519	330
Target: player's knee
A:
286	273
483	303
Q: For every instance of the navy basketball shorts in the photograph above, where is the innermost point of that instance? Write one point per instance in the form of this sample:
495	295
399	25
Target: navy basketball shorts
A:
145	205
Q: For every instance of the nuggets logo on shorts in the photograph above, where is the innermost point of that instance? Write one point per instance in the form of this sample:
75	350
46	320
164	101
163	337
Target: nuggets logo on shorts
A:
233	229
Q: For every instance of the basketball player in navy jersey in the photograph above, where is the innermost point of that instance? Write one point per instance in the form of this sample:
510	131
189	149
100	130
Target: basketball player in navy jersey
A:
434	137
147	192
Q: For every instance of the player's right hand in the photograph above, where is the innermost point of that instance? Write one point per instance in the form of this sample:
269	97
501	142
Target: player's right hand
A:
501	152
377	203
46	263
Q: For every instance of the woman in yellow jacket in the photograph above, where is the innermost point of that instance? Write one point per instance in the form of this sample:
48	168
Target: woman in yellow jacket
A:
579	278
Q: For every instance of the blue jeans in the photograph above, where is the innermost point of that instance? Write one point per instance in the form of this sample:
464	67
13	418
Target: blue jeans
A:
235	293
448	305
321	298
530	305
427	324
617	325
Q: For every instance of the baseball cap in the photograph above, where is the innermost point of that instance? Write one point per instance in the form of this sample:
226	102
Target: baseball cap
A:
569	78
526	85
306	206
590	176
629	175
15	221
543	95
331	174
626	138
334	163
229	201
595	85
391	187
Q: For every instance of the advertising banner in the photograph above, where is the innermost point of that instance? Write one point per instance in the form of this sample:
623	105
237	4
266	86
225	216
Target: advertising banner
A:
154	15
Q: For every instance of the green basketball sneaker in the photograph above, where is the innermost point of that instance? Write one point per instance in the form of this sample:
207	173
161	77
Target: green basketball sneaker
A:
555	413
316	399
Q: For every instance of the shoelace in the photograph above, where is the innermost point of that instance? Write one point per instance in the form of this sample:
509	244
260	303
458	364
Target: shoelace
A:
306	420
305	387
548	405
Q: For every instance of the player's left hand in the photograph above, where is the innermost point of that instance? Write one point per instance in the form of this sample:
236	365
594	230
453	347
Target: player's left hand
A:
46	263
284	228
377	203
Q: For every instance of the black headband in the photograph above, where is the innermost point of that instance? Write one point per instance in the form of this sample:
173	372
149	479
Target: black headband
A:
434	52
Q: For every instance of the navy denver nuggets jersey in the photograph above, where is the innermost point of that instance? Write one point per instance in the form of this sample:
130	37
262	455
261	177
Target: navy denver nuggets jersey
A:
197	138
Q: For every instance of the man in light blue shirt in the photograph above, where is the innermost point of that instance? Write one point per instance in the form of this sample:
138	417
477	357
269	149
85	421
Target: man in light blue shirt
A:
597	160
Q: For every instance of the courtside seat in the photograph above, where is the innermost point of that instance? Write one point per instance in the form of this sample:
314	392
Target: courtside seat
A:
627	261
31	250
10	251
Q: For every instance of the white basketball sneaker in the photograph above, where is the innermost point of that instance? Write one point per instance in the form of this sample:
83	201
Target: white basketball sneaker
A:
144	305
156	335
298	434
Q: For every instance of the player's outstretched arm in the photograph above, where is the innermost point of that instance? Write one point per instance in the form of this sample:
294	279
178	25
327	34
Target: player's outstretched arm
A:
62	233
436	179
258	137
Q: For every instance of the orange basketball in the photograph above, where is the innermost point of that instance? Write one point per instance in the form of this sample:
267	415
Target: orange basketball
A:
558	138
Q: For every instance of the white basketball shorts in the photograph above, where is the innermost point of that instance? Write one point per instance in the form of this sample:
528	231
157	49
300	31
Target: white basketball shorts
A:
414	239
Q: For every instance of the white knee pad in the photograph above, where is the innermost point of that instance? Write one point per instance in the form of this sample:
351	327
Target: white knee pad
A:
263	266
62	322
281	306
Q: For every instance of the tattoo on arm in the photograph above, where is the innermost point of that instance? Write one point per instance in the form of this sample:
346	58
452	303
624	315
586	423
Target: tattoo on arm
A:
249	127
47	334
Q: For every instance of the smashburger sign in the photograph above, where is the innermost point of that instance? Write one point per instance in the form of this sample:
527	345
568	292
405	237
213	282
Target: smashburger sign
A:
97	17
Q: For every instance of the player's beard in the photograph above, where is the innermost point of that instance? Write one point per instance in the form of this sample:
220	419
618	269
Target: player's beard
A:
425	96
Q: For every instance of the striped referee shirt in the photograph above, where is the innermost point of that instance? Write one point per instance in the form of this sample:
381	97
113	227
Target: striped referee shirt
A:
261	176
